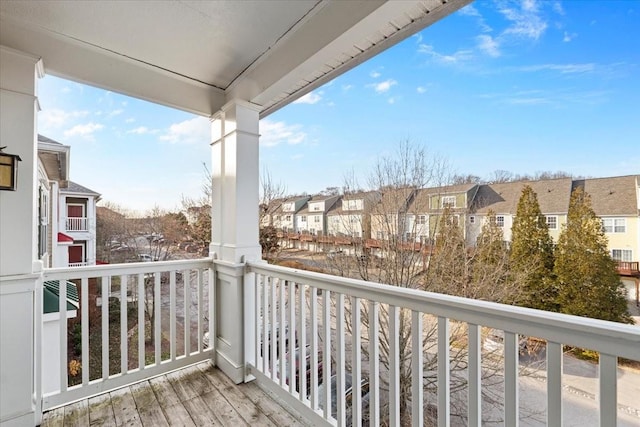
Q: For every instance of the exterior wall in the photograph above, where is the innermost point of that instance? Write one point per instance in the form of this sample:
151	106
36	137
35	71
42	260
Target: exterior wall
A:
627	240
435	201
383	226
420	232
346	224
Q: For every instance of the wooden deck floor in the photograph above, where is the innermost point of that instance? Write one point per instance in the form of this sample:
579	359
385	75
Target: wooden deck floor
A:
197	396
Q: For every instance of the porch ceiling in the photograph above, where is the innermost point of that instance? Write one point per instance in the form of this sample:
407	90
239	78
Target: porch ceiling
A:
196	55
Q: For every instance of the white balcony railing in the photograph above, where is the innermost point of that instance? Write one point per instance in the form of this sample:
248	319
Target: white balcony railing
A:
419	356
155	322
77	224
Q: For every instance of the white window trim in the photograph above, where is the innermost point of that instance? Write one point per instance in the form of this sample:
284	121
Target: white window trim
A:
445	201
622	253
547	221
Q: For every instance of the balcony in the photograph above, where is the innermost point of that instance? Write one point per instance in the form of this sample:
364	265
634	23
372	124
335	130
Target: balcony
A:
629	268
388	339
76	224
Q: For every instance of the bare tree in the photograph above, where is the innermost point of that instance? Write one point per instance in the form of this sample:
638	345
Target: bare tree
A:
271	195
414	240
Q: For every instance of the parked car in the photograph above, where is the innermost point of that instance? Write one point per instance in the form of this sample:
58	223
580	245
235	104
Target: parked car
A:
348	395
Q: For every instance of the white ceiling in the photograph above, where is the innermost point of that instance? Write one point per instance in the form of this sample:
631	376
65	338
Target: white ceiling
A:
198	55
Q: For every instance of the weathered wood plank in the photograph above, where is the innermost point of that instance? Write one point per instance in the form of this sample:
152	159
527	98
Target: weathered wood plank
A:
164	391
54	418
201	413
223	410
177	415
182	388
265	404
124	408
101	411
77	414
174	410
247	409
148	407
197	380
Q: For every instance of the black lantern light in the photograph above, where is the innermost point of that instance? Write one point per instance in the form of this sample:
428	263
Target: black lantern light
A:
8	170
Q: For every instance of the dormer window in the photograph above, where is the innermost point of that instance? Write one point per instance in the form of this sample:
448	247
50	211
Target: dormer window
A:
449	201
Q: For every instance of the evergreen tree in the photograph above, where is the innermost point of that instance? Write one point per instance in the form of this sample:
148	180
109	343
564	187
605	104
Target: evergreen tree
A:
588	282
490	268
532	254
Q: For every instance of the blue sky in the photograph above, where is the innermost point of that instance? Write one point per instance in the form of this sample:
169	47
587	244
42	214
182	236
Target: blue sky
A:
521	86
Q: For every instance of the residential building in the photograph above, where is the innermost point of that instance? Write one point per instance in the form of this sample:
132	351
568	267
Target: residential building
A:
312	218
502	199
616	201
67	210
425	211
285	216
350	216
388	216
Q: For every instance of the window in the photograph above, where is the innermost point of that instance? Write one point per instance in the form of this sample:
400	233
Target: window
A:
287	218
353	220
500	220
449	201
379	235
316	207
351	205
552	222
43	225
614	225
472	220
316	219
303	218
621	254
422	220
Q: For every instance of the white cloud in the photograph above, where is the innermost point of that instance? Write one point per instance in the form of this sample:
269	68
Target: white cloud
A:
421	89
391	100
275	133
85	131
568	37
114	113
347	87
469	10
192	131
130	120
562	68
384	86
143	130
310	98
65	90
374	74
455	58
55	118
557	8
488	45
297	156
526	21
418	37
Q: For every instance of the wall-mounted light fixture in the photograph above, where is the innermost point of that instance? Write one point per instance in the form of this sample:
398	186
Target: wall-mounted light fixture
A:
8	170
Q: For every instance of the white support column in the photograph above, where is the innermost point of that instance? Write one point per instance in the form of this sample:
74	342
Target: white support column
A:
20	284
234	230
